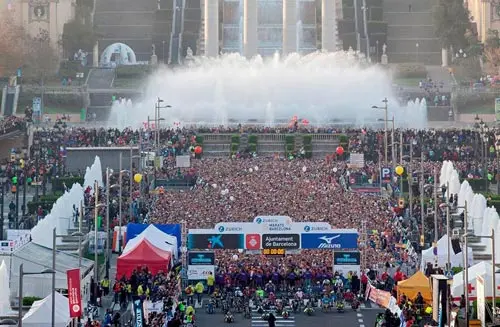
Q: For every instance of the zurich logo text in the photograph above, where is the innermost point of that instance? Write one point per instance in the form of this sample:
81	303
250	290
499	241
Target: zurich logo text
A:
307	228
221	229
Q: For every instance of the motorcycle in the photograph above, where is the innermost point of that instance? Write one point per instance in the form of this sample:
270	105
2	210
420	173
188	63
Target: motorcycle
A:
228	318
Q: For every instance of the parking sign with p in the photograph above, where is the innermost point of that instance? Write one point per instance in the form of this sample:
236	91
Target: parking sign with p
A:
385	175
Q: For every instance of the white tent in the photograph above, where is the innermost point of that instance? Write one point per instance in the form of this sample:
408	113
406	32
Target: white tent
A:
483	269
40	313
442	247
156	237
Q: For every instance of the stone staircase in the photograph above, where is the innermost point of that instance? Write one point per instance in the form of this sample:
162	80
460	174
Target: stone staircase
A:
200	44
192	27
243	142
126	21
407	28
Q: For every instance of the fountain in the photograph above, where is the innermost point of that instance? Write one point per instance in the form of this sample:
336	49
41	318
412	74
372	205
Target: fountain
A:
5	309
92	174
60	217
336	86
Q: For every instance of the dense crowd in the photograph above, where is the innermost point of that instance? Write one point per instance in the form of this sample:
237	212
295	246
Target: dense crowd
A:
11	123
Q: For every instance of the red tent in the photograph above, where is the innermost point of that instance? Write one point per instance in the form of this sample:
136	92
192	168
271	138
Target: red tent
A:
144	254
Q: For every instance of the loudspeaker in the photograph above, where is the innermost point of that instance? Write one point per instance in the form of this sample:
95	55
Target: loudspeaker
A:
455	243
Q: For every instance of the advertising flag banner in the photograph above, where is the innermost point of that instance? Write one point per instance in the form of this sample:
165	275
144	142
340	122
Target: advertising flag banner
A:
138	312
74	295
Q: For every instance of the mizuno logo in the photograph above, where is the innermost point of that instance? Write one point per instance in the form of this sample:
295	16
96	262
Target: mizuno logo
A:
329	240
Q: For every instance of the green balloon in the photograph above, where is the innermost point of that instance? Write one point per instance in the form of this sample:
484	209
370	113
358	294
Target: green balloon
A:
14	180
29	180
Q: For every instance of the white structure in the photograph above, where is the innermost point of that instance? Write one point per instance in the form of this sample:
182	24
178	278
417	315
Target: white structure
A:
40	314
211	28
250	40
328	25
289	26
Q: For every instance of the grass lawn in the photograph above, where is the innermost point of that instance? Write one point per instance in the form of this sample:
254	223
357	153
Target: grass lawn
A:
54	111
479	109
407	81
128	83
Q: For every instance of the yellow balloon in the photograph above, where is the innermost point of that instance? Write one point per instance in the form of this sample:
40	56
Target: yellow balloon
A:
138	178
400	170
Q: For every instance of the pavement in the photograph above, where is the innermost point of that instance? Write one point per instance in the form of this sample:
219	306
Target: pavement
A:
364	317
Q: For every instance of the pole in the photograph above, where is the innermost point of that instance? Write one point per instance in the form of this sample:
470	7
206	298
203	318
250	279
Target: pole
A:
53	312
17	201
410	182
80	238
493	282
1	209
422	212
156	118
466	266
400	157
436	234
96	262
120	207
356	27
385	128
131	185
107	221
20	311
448	259
365	25
24	194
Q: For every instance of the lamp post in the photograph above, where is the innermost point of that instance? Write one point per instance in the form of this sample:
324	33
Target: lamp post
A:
22	273
2	206
158	106
483	130
108	225
497	148
385	108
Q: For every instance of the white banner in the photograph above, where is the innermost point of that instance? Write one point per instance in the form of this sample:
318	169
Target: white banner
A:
200	272
183	161
344	269
481	299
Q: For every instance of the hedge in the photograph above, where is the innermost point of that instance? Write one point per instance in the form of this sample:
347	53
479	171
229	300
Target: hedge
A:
307	139
28	300
69	68
289	145
133	71
33	206
58	183
199	140
234	148
308	151
477	184
63	100
252	139
410	71
488	303
235	139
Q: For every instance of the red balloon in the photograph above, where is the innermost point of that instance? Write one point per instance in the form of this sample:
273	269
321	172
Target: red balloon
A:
339	150
198	149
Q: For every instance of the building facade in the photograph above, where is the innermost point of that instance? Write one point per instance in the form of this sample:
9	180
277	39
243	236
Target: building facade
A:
486	15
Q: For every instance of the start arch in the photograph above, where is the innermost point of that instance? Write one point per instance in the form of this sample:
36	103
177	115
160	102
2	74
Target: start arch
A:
118	54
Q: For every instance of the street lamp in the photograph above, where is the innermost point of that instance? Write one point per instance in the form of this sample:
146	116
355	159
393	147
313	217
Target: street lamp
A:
23	273
497	148
483	130
158	106
385	101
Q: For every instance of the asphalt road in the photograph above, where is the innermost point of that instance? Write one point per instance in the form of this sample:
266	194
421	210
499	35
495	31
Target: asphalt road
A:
364	317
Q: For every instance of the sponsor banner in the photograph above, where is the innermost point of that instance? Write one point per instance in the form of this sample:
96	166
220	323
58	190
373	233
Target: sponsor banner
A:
346	258
345	269
281	241
153	306
334	241
201	258
200	272
74	293
138	312
272	224
215	241
252	242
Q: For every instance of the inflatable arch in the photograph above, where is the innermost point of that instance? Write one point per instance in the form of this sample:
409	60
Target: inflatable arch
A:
123	55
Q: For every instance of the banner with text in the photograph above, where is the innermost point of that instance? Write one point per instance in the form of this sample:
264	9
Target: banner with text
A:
215	241
335	241
74	293
347	261
201	258
200	272
281	241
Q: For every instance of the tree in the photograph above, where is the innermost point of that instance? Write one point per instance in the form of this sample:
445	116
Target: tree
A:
13	40
451	20
492	49
77	35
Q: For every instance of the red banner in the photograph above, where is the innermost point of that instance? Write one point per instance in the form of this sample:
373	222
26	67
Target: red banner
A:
74	295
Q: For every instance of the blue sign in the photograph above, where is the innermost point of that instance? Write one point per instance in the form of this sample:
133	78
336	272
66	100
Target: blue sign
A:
385	175
37	105
334	241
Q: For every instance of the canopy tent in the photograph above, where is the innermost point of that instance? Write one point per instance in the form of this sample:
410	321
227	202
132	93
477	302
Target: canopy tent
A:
143	254
39	314
442	255
171	229
483	269
158	238
416	283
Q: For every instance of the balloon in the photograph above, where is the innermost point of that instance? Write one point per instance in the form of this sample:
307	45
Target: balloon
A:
198	149
250	170
214	185
304	169
335	169
235	257
138	178
231	198
339	150
191	148
256	168
400	170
